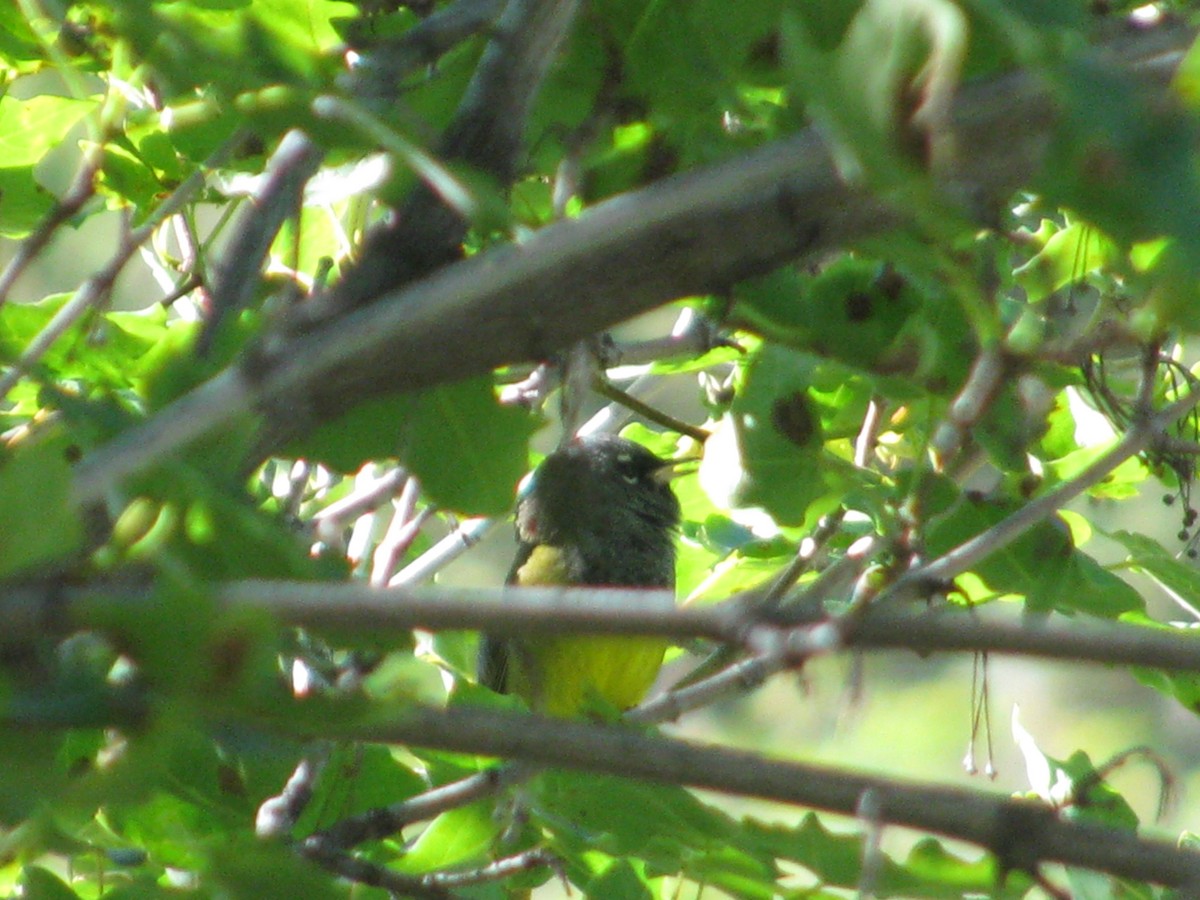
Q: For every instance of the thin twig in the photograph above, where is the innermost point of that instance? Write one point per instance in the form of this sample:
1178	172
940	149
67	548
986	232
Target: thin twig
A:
329	522
962	558
536	858
359	870
277	196
401	533
97	287
379	823
738	678
982	385
382	68
721	660
606	388
444	552
277	815
81	190
868	434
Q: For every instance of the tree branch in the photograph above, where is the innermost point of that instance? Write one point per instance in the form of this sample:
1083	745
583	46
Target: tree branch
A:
963	557
31	613
96	289
487	133
1021	834
689	234
276	197
386	63
81	190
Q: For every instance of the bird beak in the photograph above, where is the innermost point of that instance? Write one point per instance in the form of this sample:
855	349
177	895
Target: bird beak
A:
675	468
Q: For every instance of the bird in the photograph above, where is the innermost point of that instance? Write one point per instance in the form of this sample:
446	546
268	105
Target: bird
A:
599	511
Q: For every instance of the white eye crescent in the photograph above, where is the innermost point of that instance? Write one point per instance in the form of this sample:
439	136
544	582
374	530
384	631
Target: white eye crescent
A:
623	461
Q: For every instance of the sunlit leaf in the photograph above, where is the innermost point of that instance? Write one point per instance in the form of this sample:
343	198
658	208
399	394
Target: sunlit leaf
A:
29	128
1073	785
455	837
1041	564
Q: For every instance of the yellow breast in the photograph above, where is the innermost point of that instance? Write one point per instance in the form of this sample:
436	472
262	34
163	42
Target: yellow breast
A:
566	676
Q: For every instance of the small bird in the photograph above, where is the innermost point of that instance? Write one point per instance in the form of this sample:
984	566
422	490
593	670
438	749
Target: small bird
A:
599	511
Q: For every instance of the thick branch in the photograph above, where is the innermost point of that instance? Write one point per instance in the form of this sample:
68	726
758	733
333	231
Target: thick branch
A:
487	133
1021	834
693	233
27	614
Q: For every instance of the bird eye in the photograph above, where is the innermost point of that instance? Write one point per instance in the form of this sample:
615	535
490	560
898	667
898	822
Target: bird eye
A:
627	470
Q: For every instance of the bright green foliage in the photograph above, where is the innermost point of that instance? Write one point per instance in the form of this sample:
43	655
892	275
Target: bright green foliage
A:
929	870
476	473
1073	785
907	392
1043	566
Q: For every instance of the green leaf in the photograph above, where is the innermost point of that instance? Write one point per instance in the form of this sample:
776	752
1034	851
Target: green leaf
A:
368	430
768	450
882	95
1122	160
103	352
1184	687
18	43
736	572
1004	430
23	201
248	867
233	50
1179	577
618	881
867	315
39	522
683	90
850	312
128	179
357	778
40	884
1149	556
168	636
307	25
456	837
1073	786
664	825
143	890
1086	586
837	861
466	449
1042	564
1067	256
30	128
206	523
